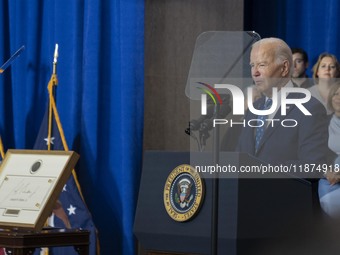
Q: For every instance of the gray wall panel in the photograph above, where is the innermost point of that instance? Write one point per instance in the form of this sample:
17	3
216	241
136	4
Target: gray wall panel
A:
171	29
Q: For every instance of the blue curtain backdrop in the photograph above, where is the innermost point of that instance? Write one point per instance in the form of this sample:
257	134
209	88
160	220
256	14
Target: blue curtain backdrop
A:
309	24
99	96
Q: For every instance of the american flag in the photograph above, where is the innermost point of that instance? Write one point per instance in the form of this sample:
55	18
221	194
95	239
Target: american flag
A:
70	210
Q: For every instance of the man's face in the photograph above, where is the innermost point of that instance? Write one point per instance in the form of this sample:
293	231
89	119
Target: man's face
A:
300	66
265	70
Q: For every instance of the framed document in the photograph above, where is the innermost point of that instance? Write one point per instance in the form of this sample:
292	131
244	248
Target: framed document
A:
30	184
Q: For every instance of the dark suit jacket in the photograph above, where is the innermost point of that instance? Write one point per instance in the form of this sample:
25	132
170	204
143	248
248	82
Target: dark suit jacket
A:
305	143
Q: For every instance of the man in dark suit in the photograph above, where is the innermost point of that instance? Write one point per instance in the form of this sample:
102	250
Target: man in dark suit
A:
294	139
305	140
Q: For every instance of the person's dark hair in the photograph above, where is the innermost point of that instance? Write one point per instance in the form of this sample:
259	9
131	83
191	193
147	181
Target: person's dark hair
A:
302	52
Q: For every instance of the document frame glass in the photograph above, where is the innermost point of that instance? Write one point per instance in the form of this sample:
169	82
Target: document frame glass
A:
30	184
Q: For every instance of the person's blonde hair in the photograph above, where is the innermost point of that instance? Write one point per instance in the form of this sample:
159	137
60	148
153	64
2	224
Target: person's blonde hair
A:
317	65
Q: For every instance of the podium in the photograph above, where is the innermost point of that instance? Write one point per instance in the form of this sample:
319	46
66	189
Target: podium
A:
254	215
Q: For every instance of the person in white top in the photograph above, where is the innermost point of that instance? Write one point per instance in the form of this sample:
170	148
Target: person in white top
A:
329	187
325	72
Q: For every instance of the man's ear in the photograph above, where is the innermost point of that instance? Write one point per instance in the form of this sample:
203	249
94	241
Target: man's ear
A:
285	68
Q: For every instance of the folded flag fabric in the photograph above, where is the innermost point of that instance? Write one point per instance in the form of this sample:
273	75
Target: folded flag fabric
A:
70	210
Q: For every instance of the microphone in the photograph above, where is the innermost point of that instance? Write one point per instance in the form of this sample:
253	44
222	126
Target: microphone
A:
196	124
207	124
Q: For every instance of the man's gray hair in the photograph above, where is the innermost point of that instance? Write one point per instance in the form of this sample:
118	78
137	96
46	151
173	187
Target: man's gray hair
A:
281	48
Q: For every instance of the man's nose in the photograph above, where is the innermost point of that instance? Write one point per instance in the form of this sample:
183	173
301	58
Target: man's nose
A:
255	71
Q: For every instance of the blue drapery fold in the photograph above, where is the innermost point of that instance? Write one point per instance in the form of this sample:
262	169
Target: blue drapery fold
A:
309	24
99	96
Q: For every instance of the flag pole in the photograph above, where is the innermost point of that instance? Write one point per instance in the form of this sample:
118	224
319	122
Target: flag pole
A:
50	87
2	151
54	112
53	82
53	109
2	69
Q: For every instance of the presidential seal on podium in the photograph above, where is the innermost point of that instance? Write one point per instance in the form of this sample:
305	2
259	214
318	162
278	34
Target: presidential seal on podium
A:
183	193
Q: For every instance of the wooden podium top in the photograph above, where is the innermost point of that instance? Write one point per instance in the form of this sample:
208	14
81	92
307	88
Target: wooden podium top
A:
18	240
